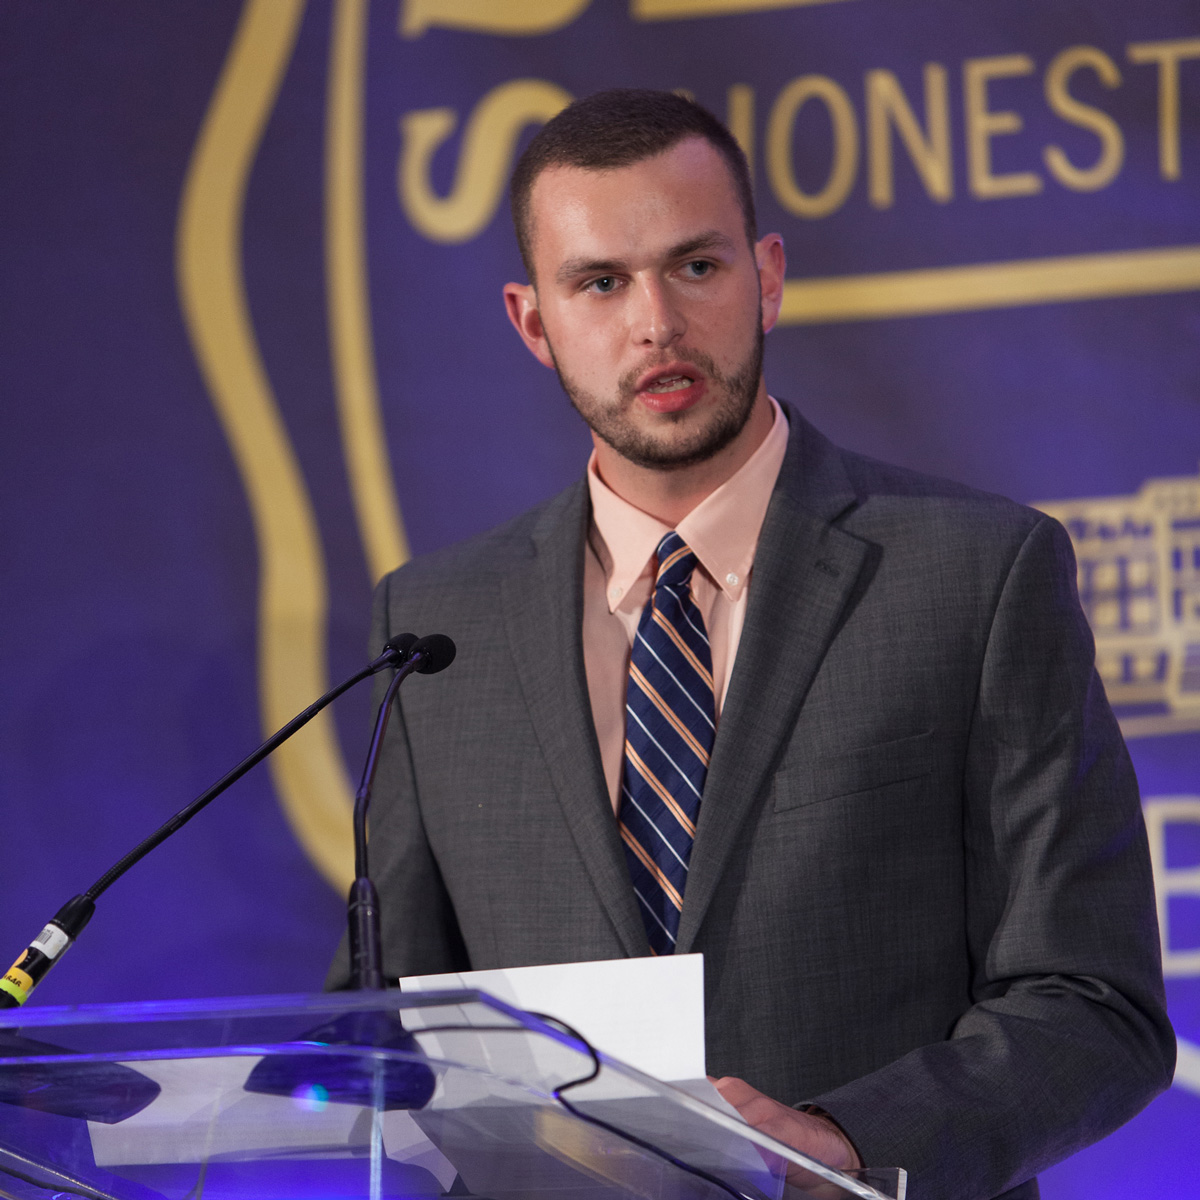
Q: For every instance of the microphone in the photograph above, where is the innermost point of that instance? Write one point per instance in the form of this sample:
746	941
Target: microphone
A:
403	1080
430	654
435	652
69	922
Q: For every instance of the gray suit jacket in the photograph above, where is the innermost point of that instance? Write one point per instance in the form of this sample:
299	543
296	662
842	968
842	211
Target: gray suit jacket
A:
920	878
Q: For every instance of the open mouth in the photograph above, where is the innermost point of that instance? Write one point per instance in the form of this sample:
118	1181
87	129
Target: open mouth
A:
669	383
671	387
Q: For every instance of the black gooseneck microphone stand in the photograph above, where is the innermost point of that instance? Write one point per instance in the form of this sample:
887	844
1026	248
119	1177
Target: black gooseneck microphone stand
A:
426	656
402	1080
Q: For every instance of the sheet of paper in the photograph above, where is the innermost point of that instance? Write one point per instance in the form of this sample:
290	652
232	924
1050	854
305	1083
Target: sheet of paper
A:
647	1012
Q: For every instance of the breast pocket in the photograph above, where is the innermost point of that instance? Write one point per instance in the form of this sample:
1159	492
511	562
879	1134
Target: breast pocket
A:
849	772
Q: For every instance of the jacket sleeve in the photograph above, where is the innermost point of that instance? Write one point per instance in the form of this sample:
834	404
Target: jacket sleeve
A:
420	931
1067	1034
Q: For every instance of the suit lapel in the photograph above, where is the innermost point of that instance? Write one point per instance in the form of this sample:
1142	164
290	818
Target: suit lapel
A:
543	612
804	572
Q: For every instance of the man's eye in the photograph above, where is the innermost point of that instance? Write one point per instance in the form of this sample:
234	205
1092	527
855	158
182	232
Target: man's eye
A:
699	268
605	284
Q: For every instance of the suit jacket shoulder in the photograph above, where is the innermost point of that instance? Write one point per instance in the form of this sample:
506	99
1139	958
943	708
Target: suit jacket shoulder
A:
831	481
487	556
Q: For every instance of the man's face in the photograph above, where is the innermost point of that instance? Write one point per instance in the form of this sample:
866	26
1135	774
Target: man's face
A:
648	302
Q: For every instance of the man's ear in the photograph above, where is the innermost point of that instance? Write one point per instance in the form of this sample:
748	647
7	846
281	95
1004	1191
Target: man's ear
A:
772	270
520	301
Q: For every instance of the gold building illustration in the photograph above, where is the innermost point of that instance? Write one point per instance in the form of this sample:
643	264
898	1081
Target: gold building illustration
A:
1139	582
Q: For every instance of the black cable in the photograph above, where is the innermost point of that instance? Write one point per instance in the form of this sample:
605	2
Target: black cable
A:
625	1135
570	1031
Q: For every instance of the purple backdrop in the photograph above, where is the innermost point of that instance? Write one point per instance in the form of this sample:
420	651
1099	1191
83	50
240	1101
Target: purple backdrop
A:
132	564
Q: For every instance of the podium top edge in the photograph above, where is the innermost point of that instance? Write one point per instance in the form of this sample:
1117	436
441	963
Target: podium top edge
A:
320	1003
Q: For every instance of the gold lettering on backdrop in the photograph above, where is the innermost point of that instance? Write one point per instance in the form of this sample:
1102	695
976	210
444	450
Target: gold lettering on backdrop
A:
676	10
1112	143
484	160
780	129
739	118
983	124
891	116
514	18
1168	56
929	149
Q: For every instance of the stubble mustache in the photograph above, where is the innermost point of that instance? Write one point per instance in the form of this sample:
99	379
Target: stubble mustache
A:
609	419
627	388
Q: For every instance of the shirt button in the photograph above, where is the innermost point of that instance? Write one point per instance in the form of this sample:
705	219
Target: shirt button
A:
731	579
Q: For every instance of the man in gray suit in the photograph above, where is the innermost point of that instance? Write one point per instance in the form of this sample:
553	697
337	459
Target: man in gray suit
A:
918	874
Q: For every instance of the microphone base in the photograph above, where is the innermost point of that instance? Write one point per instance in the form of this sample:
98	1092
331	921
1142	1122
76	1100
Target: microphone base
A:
381	1083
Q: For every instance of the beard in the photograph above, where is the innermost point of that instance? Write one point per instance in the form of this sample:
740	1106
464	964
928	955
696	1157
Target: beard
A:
664	451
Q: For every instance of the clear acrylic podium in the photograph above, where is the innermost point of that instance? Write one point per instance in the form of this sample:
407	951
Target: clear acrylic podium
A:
365	1094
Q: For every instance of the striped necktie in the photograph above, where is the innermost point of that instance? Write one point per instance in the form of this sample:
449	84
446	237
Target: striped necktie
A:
669	727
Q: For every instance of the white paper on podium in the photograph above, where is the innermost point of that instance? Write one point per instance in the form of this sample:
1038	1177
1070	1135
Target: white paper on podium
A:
647	1012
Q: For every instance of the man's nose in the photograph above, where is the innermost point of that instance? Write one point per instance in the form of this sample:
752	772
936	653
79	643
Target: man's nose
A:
656	317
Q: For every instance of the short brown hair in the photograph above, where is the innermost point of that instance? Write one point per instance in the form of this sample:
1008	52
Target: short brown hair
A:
618	128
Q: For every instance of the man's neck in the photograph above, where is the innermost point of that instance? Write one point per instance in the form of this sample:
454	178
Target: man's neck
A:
669	495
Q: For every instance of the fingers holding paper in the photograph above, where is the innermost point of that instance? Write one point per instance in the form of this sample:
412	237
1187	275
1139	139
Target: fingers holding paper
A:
817	1136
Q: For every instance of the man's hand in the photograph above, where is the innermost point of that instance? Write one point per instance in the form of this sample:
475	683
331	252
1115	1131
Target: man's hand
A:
815	1136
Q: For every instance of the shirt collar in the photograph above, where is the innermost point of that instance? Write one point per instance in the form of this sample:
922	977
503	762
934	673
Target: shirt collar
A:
722	529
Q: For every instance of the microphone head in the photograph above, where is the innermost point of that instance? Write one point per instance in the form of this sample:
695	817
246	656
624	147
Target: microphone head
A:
400	648
438	652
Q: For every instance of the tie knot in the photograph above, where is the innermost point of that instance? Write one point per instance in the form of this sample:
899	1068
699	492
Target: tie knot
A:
675	562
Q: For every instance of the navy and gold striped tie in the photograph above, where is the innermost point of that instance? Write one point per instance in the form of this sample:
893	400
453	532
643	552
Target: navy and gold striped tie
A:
669	727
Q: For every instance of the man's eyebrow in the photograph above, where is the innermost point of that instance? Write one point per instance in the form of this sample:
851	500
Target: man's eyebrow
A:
713	240
573	268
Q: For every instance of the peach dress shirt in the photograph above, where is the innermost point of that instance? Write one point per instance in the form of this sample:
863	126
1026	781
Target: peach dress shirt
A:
618	575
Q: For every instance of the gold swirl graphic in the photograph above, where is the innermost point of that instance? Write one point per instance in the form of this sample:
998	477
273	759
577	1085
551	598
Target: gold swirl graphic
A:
364	441
487	151
308	771
511	18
